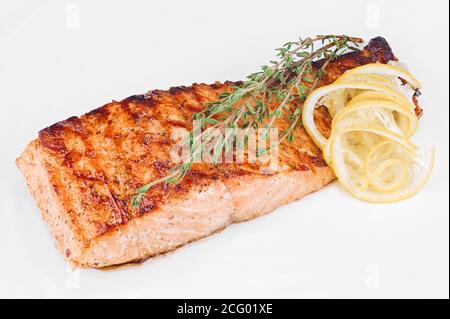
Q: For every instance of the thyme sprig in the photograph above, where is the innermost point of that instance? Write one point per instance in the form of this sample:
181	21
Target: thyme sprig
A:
250	104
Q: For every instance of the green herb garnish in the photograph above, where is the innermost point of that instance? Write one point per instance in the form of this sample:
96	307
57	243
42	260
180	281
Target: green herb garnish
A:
281	82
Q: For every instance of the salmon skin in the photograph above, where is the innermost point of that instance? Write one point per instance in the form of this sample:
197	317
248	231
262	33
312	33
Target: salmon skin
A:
84	171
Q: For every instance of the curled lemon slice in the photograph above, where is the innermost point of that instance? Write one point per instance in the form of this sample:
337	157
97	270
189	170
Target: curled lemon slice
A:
342	94
381	113
369	148
389	171
387	71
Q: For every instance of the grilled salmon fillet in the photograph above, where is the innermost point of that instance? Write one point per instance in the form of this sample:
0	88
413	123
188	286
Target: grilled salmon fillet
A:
84	171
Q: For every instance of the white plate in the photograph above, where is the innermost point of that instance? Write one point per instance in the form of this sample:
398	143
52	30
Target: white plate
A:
63	58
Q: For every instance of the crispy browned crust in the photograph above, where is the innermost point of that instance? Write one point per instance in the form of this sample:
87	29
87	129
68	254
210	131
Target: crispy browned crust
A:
95	163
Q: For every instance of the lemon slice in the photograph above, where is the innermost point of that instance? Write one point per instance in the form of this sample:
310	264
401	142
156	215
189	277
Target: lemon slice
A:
314	99
374	95
389	176
382	113
367	78
387	71
361	140
369	148
386	173
392	175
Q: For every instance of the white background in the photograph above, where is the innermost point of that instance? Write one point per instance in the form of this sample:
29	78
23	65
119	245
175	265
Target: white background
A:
60	58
